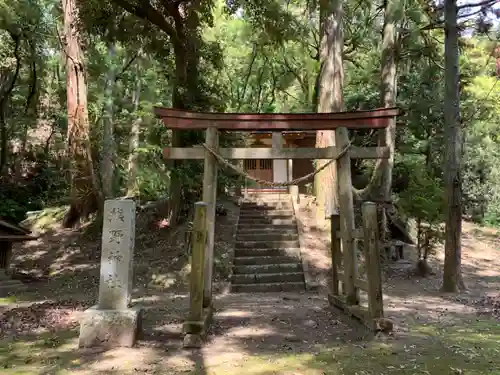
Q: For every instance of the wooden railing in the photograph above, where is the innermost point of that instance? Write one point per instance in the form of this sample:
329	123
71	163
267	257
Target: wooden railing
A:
373	283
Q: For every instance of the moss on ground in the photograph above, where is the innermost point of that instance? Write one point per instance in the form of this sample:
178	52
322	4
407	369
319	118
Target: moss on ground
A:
432	349
46	219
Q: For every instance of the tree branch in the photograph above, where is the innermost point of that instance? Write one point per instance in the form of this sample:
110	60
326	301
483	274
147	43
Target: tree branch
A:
126	66
241	95
147	12
10	86
485	3
34	77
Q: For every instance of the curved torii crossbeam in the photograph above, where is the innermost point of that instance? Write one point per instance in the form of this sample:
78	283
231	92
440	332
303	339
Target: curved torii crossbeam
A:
187	120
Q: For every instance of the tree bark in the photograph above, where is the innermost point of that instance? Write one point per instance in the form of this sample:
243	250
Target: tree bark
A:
135	133
8	79
452	276
84	195
379	187
186	91
181	25
330	99
108	142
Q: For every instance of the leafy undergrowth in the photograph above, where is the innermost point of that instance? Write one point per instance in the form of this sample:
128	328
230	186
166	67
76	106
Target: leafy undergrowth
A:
45	220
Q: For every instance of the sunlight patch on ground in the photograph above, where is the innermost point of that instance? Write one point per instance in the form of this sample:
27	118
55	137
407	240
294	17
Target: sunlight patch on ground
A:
33	255
231	313
49	218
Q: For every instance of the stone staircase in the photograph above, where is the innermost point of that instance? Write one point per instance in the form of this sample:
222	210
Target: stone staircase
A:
267	251
9	286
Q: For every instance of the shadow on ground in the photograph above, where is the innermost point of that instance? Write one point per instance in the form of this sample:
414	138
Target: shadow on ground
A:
258	334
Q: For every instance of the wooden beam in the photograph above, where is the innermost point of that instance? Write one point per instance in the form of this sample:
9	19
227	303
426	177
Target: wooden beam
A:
179	153
346	208
209	197
359	283
372	256
336	252
356	311
196	287
358	234
16	238
375	119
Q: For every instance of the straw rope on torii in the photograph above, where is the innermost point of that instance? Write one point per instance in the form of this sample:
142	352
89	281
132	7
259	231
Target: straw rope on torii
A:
296	181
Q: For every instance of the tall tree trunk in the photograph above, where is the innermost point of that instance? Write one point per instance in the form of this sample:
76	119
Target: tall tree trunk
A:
452	276
8	79
3	140
330	98
108	142
84	195
186	91
135	133
379	187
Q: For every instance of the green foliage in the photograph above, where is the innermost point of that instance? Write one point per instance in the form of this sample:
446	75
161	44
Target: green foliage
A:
423	200
254	56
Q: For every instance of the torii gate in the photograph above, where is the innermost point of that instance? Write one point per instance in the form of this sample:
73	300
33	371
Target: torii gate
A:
277	122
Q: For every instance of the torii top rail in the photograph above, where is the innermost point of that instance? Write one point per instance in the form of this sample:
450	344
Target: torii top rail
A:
187	120
277	122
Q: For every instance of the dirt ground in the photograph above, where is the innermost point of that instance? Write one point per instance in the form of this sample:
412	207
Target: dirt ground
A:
259	334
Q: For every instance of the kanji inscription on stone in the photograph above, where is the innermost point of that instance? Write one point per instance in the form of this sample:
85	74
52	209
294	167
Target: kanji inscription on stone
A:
118	234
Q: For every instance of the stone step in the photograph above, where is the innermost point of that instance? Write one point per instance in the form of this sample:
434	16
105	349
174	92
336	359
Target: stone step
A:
255	252
7	282
252	260
267	221
267	202
268	194
268	287
267	268
9	287
273	214
267	229
267	244
258	278
277	236
270	206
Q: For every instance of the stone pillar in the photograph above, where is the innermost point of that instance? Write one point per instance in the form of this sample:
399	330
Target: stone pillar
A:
113	322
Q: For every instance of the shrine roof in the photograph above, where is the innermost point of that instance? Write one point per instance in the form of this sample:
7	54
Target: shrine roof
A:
10	232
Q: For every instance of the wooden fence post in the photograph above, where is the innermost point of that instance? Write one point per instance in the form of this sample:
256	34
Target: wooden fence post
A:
198	242
210	197
336	253
372	255
346	206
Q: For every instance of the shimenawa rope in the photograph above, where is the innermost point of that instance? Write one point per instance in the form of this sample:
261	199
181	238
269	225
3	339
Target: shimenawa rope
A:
224	162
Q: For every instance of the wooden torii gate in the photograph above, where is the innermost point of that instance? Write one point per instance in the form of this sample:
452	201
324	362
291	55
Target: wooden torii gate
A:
343	152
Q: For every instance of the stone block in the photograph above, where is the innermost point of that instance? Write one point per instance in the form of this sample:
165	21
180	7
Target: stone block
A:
195	331
192	340
110	328
118	237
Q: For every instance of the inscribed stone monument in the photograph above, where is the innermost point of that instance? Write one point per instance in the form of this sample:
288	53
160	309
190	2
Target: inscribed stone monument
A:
112	322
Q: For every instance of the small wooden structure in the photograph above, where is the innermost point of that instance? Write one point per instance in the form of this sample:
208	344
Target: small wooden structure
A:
345	244
10	233
372	284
